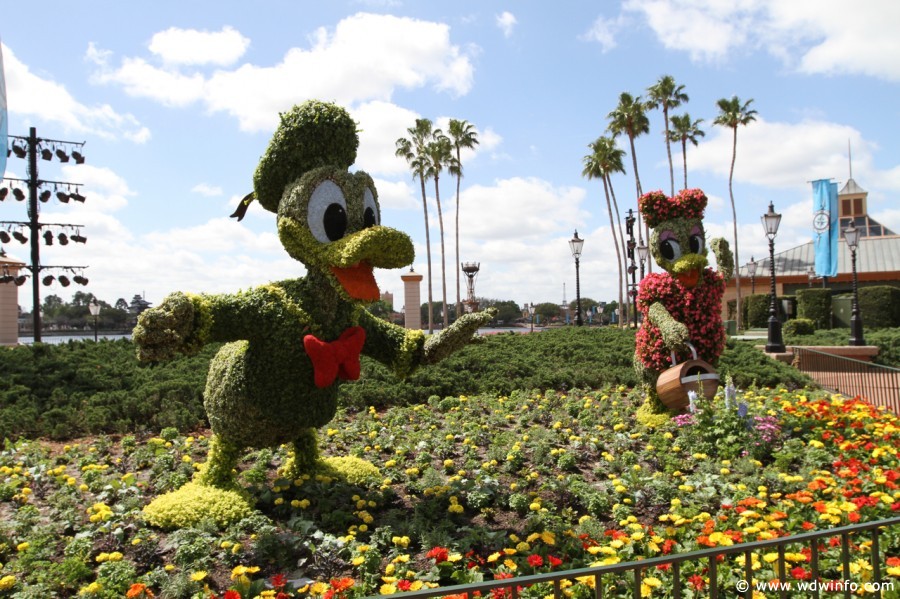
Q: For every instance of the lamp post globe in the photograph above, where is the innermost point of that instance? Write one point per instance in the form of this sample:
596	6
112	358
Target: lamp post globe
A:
751	270
575	244
774	341
851	235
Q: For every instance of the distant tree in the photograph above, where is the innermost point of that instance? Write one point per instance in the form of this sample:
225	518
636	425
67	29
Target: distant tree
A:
121	304
381	309
413	150
667	94
630	118
508	311
547	311
440	157
604	160
463	135
685	130
733	113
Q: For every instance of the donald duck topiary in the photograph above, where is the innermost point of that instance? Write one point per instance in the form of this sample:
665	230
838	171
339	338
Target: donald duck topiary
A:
683	303
291	344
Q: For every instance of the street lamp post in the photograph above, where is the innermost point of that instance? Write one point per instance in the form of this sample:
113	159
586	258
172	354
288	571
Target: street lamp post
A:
632	268
575	244
751	268
643	255
774	342
811	273
851	234
94	307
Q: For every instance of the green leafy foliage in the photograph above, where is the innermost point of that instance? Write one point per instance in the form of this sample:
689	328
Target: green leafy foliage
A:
881	305
815	304
78	388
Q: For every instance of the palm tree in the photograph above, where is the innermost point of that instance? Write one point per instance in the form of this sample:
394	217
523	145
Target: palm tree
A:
629	117
667	94
685	130
440	156
733	113
463	135
605	158
413	150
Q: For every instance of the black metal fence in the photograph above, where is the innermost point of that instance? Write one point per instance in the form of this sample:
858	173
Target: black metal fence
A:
878	384
826	577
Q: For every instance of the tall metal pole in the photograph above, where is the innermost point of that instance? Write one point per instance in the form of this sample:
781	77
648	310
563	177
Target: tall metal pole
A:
578	321
856	324
775	344
35	228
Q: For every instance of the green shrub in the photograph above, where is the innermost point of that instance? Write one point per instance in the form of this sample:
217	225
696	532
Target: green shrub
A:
880	306
799	326
815	305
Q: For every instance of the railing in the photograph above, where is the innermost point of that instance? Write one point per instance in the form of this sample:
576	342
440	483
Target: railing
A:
878	384
616	585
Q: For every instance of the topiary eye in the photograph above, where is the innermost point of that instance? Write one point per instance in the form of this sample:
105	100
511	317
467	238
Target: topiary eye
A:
669	248
327	212
697	243
371	216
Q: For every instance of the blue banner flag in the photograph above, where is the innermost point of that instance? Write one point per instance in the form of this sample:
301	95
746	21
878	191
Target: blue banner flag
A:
825	227
3	130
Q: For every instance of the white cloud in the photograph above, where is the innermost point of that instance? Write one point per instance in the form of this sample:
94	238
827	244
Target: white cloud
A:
506	21
380	125
51	102
193	47
604	32
207	190
397	195
778	155
365	58
813	36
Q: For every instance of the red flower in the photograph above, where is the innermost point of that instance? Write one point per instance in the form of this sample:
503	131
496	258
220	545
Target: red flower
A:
697	582
139	590
554	561
404	585
535	561
231	595
438	554
278	581
341	584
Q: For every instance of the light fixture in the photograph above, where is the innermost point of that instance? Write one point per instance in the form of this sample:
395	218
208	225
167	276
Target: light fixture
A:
18	194
45	195
46	154
48	280
4	237
19	237
80	280
48	237
19	151
771	220
77	196
62	196
20	280
6	279
78	156
63	239
61	154
774	340
63	280
4	191
78	238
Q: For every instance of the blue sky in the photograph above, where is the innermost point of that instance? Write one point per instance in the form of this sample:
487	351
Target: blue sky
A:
177	101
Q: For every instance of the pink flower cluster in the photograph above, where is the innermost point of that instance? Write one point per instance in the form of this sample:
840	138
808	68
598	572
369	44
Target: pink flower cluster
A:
698	308
657	207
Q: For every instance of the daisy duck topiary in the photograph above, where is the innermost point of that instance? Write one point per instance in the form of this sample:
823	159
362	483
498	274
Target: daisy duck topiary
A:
291	344
683	303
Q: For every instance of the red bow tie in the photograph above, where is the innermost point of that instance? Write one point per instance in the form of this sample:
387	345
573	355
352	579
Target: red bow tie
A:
338	358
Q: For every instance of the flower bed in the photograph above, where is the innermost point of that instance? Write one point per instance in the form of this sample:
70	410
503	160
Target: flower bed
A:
471	488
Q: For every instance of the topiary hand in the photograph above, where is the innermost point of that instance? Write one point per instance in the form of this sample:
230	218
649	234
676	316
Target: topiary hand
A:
674	333
724	257
163	331
456	336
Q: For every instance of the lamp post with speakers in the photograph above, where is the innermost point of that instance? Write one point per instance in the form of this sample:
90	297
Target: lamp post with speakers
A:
751	270
94	308
29	148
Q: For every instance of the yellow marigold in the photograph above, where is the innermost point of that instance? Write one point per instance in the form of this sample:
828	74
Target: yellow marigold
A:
198	575
9	581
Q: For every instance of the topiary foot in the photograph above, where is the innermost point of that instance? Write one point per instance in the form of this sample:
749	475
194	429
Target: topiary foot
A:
194	503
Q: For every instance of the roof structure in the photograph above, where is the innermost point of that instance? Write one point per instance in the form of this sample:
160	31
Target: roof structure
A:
874	254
